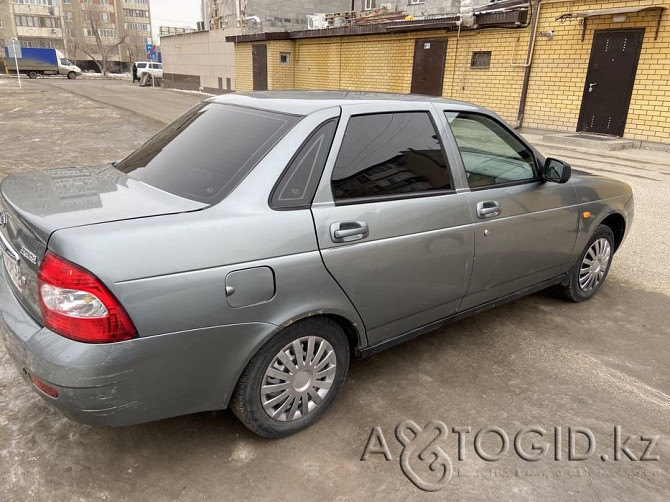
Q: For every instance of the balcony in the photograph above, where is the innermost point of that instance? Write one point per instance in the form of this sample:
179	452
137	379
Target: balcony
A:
32	31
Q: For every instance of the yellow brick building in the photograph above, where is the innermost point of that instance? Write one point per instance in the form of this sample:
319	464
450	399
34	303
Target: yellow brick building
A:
565	34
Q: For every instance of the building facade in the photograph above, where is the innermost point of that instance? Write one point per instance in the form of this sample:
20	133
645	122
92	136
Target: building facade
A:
589	66
82	29
204	60
255	16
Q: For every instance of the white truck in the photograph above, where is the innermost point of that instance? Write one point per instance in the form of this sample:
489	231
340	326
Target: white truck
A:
37	61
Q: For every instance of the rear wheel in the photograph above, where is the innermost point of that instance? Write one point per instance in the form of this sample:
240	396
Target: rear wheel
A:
590	271
72	75
32	74
293	379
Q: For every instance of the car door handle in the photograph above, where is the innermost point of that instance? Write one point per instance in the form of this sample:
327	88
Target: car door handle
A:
348	231
488	209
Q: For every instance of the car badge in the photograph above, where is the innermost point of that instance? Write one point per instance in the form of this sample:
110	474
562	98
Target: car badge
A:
3	219
29	255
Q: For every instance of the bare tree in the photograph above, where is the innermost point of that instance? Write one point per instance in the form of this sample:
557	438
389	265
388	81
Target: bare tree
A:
135	45
100	51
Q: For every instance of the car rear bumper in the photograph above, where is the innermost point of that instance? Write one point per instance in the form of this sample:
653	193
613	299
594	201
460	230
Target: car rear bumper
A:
129	382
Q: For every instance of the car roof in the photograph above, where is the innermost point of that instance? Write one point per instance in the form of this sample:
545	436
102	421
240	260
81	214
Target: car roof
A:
306	102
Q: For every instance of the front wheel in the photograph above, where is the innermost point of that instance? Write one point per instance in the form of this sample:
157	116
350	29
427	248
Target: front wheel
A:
588	274
293	379
72	75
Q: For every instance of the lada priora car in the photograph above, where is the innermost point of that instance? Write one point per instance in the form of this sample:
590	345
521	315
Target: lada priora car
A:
246	252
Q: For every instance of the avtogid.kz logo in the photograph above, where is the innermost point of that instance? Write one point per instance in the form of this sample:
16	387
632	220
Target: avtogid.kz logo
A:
425	463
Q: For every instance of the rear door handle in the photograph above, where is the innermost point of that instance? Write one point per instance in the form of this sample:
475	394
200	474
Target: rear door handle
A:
348	231
488	209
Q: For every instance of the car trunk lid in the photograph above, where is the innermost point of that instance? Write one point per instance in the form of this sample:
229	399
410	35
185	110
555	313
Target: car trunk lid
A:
35	204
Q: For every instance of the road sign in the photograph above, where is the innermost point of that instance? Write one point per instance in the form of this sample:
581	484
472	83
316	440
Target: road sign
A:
14	48
151	52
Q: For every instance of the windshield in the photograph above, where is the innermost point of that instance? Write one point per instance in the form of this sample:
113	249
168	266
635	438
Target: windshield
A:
206	152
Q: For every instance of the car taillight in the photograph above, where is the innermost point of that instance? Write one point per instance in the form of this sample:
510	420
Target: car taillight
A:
77	305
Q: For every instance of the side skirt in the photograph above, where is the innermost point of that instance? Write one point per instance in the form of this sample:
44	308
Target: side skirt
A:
374	349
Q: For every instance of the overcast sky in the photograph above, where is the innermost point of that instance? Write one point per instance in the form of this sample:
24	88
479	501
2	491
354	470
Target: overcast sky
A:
174	13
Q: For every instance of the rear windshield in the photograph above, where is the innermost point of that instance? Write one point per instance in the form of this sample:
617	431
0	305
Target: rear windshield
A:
206	152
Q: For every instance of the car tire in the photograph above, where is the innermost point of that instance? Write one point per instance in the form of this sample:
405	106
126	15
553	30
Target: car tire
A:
589	272
32	75
72	75
304	389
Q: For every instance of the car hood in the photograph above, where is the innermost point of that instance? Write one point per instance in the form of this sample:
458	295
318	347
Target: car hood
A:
53	199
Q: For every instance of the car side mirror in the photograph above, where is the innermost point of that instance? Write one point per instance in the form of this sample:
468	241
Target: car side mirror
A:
556	170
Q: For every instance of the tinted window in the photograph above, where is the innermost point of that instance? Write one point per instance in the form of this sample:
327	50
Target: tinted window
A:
297	185
206	152
390	154
141	65
491	154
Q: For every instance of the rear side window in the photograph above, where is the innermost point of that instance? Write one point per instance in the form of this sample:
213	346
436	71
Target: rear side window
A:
206	152
296	187
141	65
390	154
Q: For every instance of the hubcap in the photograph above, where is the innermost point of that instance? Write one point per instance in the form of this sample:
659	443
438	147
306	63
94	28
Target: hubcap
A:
298	378
594	265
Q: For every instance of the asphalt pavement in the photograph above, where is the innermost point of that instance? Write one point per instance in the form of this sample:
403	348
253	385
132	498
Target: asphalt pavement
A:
563	370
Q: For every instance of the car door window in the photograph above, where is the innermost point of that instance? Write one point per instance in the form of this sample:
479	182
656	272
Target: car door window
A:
141	65
491	154
390	154
296	187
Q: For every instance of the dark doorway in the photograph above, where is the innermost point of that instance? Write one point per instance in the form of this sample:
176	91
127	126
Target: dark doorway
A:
609	81
428	70
259	59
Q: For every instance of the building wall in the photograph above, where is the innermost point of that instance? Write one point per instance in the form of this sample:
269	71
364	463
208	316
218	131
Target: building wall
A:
384	63
287	15
279	73
560	65
31	36
200	60
427	7
71	19
244	80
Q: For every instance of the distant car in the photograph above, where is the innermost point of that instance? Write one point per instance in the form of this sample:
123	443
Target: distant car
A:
155	69
242	255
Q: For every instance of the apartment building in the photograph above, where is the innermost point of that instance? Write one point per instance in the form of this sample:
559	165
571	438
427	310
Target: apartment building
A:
123	28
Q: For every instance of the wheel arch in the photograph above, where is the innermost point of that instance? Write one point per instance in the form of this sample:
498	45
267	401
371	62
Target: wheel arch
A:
355	336
617	224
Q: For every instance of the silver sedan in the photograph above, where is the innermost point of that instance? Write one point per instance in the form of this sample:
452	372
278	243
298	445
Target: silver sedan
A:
241	256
